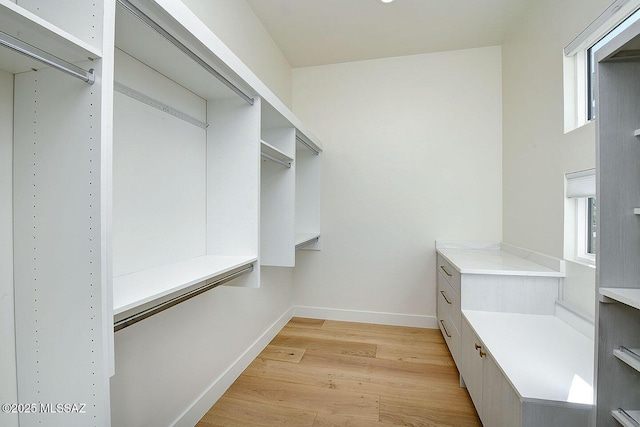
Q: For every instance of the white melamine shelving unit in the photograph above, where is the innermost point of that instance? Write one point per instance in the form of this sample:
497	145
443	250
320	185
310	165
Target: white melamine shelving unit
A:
618	269
61	292
140	183
186	165
277	188
308	175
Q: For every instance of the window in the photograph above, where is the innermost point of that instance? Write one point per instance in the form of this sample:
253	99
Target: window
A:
585	241
591	62
580	221
579	96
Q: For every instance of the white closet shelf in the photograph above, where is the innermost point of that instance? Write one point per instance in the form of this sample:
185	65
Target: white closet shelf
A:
629	296
143	43
270	150
627	418
135	290
629	356
30	28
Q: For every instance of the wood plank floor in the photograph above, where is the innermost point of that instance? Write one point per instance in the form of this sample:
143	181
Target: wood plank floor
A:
322	373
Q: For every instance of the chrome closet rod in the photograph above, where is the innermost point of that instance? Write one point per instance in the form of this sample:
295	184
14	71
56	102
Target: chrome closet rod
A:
307	243
40	55
306	144
171	39
121	324
273	159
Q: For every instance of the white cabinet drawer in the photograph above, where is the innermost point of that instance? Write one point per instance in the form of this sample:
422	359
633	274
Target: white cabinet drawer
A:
449	331
450	300
451	274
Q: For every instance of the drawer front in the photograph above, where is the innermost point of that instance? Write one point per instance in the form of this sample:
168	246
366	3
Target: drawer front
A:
450	301
451	274
450	333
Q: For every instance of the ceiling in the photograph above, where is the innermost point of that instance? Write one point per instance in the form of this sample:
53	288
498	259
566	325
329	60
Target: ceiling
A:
317	32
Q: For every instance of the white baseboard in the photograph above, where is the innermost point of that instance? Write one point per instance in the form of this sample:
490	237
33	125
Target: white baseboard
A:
412	320
209	397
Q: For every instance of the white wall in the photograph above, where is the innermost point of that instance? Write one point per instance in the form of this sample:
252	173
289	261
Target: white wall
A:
412	154
536	152
8	384
234	22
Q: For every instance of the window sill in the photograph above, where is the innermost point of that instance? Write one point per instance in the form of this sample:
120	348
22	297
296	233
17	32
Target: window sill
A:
584	261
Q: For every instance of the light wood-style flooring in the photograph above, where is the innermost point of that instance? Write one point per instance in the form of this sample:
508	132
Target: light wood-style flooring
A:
325	373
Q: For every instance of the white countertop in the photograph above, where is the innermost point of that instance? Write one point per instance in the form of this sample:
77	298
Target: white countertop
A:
494	259
541	356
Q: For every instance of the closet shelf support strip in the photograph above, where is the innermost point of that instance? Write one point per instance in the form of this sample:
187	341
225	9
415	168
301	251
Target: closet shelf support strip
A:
171	39
33	52
306	144
208	285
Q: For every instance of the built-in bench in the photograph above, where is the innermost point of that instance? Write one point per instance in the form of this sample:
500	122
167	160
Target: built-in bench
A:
547	364
526	360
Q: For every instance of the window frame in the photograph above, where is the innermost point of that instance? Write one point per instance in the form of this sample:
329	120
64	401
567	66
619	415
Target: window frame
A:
584	250
578	59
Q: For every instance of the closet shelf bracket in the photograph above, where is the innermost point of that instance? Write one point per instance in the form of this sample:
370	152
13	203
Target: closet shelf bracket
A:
33	52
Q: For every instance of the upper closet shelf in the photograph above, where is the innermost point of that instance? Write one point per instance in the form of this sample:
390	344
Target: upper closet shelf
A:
157	39
629	296
272	153
178	20
32	30
136	292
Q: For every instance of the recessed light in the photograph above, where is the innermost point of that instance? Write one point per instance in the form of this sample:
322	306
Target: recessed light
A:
386	1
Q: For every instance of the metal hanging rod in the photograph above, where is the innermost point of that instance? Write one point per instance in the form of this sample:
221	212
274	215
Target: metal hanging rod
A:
306	144
121	324
171	39
307	243
273	159
46	58
141	97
